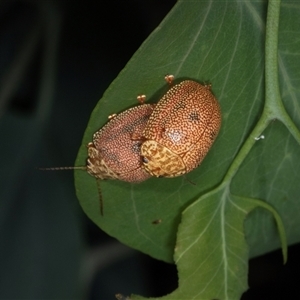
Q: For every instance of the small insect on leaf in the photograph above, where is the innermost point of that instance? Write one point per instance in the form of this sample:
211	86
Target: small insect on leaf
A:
181	129
114	152
156	222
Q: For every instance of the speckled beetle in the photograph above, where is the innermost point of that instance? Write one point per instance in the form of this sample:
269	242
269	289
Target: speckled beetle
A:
115	150
181	129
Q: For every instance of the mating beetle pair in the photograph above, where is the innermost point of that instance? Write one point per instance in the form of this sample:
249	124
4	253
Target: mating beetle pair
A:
167	139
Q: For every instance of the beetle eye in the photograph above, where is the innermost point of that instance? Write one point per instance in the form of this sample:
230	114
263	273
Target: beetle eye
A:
145	160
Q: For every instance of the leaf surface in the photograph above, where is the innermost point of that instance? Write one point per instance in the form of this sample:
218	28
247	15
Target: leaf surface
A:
221	42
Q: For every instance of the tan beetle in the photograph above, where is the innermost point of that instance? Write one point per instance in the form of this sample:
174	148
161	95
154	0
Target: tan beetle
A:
115	150
181	129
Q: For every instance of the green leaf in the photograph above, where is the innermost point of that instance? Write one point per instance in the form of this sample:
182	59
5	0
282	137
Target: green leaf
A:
221	42
211	252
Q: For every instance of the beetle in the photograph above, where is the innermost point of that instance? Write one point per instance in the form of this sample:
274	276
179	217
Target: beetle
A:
114	152
180	131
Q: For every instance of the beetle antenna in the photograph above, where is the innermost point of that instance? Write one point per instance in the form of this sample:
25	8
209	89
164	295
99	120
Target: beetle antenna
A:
62	168
189	181
169	79
100	196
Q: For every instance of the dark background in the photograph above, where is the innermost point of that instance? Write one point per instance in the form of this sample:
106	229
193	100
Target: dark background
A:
56	60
